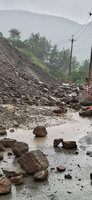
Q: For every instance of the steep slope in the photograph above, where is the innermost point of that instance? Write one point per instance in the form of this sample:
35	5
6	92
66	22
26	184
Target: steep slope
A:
19	78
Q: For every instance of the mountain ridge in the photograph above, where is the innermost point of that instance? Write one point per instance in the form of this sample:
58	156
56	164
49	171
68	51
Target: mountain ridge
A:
56	29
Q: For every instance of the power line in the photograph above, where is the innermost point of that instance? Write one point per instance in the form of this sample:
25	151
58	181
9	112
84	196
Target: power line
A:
86	34
80	30
82	27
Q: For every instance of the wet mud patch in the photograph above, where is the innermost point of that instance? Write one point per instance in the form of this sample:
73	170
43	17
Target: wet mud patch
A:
56	187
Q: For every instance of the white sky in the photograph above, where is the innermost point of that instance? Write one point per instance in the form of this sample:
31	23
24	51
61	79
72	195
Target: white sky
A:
76	10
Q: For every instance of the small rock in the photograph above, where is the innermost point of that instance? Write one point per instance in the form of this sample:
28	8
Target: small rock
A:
18	180
61	168
52	168
1	157
87	113
7	142
9	153
60	110
12	130
69	192
40	131
69	144
89	153
12	172
16	126
57	142
41	176
68	176
91	176
1	147
3	131
5	186
20	148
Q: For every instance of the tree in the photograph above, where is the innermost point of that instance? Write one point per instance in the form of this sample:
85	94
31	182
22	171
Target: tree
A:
39	46
1	34
14	34
53	59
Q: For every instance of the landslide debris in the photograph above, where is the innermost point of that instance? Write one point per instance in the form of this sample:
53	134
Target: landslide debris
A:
20	79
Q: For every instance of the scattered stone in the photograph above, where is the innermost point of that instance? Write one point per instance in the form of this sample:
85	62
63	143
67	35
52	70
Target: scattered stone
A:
12	172
52	168
16	126
79	179
68	176
7	142
89	153
87	101
61	168
12	130
40	131
3	131
18	180
9	153
60	110
76	106
91	176
1	147
41	176
69	144
57	142
33	161
20	148
69	192
1	175
5	186
87	113
76	153
1	157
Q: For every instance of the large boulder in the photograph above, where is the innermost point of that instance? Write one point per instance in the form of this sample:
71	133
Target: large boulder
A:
20	148
33	161
5	186
7	142
40	131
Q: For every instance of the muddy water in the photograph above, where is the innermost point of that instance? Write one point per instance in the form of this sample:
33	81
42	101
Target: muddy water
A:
79	166
73	129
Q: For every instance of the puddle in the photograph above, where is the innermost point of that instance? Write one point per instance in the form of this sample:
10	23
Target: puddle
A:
75	128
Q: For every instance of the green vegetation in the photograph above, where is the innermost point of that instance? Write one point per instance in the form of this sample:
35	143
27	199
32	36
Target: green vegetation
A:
40	51
1	34
33	59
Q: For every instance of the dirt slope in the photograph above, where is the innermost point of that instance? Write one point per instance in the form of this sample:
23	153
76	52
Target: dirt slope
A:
19	78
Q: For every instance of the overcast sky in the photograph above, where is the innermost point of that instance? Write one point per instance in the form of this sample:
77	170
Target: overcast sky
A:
76	10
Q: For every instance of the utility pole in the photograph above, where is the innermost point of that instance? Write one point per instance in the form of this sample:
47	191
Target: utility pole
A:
90	68
72	41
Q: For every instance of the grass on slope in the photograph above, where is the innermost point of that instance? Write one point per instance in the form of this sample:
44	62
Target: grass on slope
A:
32	58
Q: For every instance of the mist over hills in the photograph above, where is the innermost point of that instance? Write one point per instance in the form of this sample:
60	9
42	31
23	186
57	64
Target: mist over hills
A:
56	29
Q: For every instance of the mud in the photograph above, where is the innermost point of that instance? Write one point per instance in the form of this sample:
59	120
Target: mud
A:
79	166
